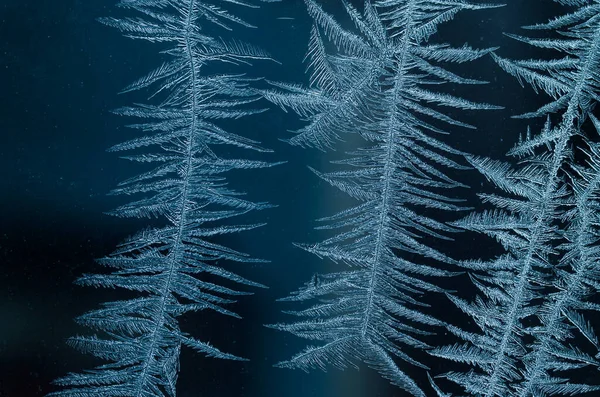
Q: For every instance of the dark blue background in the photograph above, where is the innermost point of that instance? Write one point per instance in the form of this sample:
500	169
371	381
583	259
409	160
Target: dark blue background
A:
60	72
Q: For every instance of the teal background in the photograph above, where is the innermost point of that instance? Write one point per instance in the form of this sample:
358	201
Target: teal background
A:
60	72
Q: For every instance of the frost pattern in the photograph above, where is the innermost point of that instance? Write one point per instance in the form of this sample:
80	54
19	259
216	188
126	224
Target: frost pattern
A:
537	290
380	85
174	266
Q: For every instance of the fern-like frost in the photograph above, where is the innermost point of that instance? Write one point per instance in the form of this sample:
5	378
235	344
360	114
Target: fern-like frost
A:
141	337
377	85
534	289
